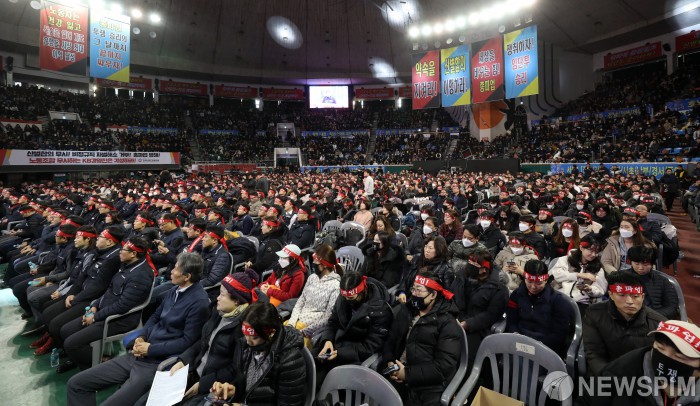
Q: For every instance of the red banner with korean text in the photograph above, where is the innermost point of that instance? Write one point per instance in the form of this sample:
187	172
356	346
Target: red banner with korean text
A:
633	56
187	88
135	83
487	70
405	92
270	93
425	77
63	45
236	92
688	42
375	94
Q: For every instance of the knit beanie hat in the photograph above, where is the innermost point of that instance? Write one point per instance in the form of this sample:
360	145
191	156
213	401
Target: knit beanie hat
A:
240	285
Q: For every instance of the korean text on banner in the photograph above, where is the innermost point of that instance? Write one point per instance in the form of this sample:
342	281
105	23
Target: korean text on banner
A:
110	38
454	67
21	157
271	93
135	83
63	38
235	92
520	65
688	42
426	80
383	93
188	88
487	70
632	56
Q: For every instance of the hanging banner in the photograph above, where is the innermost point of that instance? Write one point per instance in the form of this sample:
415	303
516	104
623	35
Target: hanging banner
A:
63	37
235	92
110	45
270	93
520	64
135	83
23	157
633	56
219	132
405	92
426	80
688	42
683	105
454	72
375	94
487	70
187	88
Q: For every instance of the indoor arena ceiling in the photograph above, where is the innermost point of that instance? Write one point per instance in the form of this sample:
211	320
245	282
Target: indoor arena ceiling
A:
342	41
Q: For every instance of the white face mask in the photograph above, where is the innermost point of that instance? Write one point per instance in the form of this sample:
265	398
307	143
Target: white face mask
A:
424	216
550	206
284	262
494	205
485	224
517	251
427	230
523	227
567	232
467	242
626	233
579	207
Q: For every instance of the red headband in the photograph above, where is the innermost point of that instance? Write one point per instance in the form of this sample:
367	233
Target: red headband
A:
323	262
271	223
109	236
300	210
273	209
431	284
221	240
55	213
626	289
356	290
680	332
134	248
71	222
86	234
586	215
535	278
244	208
250	331
60	233
588	245
547	212
234	283
144	220
163	221
106	206
483	262
515	241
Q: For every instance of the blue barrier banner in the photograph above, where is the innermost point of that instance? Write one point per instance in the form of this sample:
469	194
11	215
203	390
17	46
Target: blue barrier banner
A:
397	131
450	129
335	168
683	104
152	130
344	133
656	169
219	132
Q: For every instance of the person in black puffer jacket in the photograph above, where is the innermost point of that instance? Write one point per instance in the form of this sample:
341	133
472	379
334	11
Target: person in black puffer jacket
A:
277	375
384	260
491	236
271	241
659	293
424	342
358	326
433	259
481	298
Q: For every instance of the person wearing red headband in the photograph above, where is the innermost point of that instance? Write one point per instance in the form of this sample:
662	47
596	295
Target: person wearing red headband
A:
424	342
176	327
267	343
242	222
614	256
171	239
622	324
91	212
358	326
538	311
301	232
511	260
101	266
271	241
545	225
217	261
287	278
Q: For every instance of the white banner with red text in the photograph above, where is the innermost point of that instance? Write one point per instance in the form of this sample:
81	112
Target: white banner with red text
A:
22	157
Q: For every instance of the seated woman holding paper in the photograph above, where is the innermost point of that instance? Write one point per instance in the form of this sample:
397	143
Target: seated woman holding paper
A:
269	365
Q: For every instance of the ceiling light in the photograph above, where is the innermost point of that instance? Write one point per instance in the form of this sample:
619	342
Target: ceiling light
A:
117	8
152	34
528	3
136	30
449	41
426	30
437	28
474	18
13	1
413	32
449	25
36	5
155	18
460	22
136	13
486	15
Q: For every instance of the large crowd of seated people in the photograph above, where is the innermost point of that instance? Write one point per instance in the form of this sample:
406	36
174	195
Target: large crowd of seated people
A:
467	249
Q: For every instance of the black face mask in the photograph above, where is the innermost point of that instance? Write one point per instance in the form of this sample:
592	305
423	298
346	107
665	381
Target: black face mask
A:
472	271
376	245
316	269
354	304
581	221
261	347
418	303
667	367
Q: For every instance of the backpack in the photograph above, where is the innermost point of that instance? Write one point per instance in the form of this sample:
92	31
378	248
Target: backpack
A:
325	237
671	252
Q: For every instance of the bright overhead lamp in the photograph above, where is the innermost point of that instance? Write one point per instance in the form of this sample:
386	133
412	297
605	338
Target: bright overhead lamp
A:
413	32
154	18
449	25
460	22
136	13
437	28
474	18
117	8
36	5
426	30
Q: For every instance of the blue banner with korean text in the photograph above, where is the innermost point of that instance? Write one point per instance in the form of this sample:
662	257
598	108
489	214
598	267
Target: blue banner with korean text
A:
110	36
645	168
683	104
218	132
520	65
456	83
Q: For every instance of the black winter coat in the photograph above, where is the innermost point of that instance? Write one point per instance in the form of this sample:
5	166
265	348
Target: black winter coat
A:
97	272
129	288
386	269
493	239
266	256
432	348
480	304
607	335
301	233
659	294
442	269
223	347
284	382
358	334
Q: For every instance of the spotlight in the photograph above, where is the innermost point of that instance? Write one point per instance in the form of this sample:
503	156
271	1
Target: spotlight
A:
413	32
460	22
117	8
437	44
449	25
13	1
528	3
426	30
462	38
152	34
36	5
136	30
155	18
474	18
449	41
437	28
136	13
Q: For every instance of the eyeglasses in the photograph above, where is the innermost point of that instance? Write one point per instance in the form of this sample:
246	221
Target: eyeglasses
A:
415	289
126	250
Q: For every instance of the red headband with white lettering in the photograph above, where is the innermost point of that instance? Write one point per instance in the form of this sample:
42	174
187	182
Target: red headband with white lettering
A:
271	223
60	233
680	332
109	236
144	220
250	331
535	278
431	284
356	290
626	289
86	234
323	262
234	283
71	222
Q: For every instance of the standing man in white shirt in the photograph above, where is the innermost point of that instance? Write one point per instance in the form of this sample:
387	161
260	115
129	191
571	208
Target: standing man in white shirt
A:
369	184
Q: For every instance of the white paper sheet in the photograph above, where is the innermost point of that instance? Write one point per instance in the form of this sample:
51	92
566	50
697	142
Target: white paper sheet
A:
168	390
